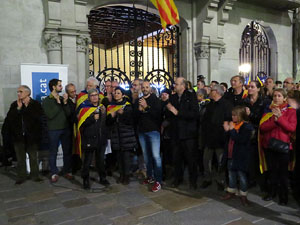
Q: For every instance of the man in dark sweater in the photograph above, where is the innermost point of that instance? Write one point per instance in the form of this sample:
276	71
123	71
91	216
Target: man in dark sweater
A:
57	112
148	115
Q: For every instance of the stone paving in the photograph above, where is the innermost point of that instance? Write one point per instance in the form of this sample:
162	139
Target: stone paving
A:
66	203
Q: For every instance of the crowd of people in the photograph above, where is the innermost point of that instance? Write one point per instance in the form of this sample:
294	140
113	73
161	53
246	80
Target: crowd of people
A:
238	137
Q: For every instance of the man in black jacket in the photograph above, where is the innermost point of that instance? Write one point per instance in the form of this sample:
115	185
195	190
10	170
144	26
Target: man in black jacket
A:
24	124
149	115
217	112
183	108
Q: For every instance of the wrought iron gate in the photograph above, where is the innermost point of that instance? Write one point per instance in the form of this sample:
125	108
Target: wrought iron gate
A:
255	51
129	43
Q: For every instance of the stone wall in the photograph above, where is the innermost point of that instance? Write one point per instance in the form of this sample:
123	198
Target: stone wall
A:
21	25
242	13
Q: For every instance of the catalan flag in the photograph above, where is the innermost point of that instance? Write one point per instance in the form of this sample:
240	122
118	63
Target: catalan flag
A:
168	12
84	113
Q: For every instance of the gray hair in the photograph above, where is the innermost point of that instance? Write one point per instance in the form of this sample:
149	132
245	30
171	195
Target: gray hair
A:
139	80
94	80
69	85
93	90
218	88
26	88
202	91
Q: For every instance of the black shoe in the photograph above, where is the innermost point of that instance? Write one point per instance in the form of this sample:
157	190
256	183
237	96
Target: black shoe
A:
126	180
86	183
220	185
282	202
268	197
104	182
176	183
205	184
20	181
109	173
38	180
120	179
193	186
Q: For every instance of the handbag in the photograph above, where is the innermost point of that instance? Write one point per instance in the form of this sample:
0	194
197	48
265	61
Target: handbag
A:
278	146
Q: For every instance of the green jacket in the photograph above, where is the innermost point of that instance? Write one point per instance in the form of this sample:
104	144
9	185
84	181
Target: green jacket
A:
57	114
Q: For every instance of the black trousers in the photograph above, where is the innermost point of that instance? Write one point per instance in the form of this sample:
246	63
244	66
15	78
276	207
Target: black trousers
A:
99	158
185	151
124	162
278	173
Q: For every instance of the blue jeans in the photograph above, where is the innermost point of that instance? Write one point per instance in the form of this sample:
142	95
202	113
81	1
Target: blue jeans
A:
233	176
63	136
150	143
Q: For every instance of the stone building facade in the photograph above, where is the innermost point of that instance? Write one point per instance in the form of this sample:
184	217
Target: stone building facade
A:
56	32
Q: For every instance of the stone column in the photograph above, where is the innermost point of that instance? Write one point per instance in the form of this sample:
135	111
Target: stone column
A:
202	57
53	43
82	59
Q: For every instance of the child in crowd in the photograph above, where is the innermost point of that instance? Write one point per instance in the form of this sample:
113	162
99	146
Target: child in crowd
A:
238	151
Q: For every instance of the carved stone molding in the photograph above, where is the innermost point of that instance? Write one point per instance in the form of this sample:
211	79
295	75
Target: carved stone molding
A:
81	2
201	52
53	41
223	13
82	43
221	51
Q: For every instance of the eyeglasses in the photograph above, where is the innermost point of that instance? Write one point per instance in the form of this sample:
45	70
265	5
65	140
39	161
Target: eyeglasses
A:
94	95
285	82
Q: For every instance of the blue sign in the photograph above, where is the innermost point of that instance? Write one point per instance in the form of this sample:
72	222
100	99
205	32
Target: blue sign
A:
40	81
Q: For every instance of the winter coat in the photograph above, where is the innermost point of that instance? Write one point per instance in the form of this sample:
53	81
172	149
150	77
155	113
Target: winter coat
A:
26	122
122	129
150	119
241	148
280	129
214	117
93	133
184	124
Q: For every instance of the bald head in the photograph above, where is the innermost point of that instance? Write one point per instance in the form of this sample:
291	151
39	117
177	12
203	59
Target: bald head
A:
288	84
180	85
146	88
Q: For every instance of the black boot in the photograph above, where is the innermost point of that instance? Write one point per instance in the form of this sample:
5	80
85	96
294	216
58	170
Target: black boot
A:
104	182
86	183
126	180
120	179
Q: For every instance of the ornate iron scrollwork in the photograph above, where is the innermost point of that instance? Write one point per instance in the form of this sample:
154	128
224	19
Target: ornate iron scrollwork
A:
255	50
129	43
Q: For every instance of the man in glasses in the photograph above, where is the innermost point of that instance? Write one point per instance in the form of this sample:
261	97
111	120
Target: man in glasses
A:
57	112
288	84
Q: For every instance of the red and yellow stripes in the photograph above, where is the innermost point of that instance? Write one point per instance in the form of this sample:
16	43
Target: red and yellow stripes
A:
262	158
82	96
84	113
115	108
168	12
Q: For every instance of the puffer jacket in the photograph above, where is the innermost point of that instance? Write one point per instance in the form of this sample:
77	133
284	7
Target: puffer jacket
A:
122	130
281	129
94	133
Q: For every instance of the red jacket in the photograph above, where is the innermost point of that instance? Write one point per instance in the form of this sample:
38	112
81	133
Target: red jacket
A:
280	129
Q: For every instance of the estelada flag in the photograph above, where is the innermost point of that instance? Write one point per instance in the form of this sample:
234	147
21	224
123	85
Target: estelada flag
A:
84	113
83	96
167	11
115	108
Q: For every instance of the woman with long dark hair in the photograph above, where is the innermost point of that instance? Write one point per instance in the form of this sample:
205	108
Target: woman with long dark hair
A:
276	128
123	140
255	104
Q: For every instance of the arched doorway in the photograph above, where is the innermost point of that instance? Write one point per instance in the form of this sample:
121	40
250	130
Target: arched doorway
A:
258	52
129	43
